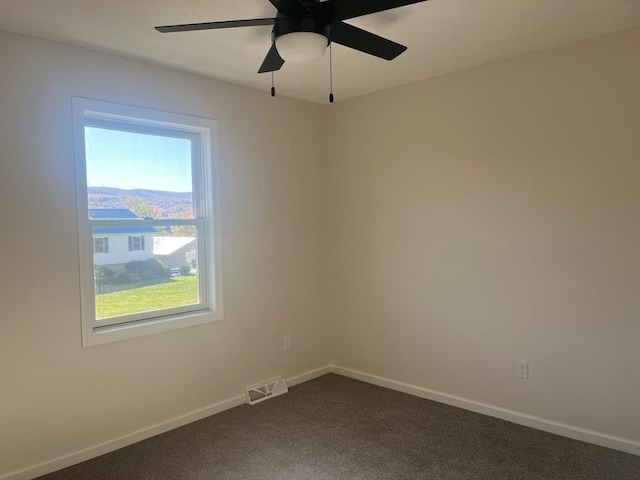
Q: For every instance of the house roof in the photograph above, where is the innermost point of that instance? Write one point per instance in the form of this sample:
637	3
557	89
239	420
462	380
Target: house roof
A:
116	214
169	245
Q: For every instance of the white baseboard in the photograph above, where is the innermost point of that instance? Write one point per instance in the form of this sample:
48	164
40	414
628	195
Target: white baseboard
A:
310	375
551	426
93	451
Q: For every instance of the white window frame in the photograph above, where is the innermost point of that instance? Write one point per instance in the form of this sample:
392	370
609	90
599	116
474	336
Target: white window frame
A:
140	243
203	133
104	244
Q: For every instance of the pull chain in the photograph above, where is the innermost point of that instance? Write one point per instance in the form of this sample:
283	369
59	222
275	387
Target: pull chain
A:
273	88
330	74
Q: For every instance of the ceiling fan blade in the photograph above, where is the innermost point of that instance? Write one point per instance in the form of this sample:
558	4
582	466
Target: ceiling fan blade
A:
213	25
289	5
272	62
364	41
345	9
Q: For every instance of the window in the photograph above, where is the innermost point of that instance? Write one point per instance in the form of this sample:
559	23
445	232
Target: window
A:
101	245
136	243
147	190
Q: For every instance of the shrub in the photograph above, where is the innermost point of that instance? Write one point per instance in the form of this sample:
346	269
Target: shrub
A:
155	265
185	269
104	275
148	269
125	277
135	267
147	274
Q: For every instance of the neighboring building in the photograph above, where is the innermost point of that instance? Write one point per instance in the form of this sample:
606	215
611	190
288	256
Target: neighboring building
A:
114	247
174	251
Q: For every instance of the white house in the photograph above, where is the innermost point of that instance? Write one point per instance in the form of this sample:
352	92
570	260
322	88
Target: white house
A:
116	246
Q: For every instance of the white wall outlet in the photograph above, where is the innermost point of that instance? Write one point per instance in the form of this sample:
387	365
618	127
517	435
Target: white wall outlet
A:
286	342
522	369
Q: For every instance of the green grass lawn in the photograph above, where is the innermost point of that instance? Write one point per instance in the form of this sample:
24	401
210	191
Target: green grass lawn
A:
173	292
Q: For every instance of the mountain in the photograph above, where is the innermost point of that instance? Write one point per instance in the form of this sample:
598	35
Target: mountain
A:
170	204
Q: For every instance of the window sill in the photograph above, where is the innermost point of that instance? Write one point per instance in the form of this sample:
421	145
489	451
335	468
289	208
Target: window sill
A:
114	333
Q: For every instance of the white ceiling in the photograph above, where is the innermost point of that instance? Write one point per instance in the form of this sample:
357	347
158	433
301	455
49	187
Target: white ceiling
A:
442	36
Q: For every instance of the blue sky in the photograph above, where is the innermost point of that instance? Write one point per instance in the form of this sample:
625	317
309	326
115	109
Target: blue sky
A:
134	160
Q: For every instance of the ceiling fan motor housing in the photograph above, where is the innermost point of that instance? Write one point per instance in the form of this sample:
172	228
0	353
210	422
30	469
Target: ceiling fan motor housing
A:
285	24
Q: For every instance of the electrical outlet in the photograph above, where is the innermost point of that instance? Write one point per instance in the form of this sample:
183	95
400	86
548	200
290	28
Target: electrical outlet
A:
522	369
286	342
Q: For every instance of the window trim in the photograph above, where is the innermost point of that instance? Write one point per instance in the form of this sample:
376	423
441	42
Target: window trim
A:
207	216
132	243
104	244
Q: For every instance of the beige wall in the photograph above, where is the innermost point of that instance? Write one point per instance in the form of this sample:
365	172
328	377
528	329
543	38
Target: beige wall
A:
466	221
490	215
55	397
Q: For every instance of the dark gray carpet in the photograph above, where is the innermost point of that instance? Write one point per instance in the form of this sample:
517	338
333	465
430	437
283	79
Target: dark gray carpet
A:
337	428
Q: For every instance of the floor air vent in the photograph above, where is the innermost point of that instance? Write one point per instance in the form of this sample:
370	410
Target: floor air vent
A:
263	391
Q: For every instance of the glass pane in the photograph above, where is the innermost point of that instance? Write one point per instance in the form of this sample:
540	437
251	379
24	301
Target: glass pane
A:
144	269
147	175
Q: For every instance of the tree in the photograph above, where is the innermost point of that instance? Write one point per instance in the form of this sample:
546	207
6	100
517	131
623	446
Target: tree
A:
142	208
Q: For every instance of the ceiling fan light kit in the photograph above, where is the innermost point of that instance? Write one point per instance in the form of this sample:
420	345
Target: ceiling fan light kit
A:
301	47
302	30
300	39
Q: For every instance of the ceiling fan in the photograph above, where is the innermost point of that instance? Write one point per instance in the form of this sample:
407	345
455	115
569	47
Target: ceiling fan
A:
302	29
